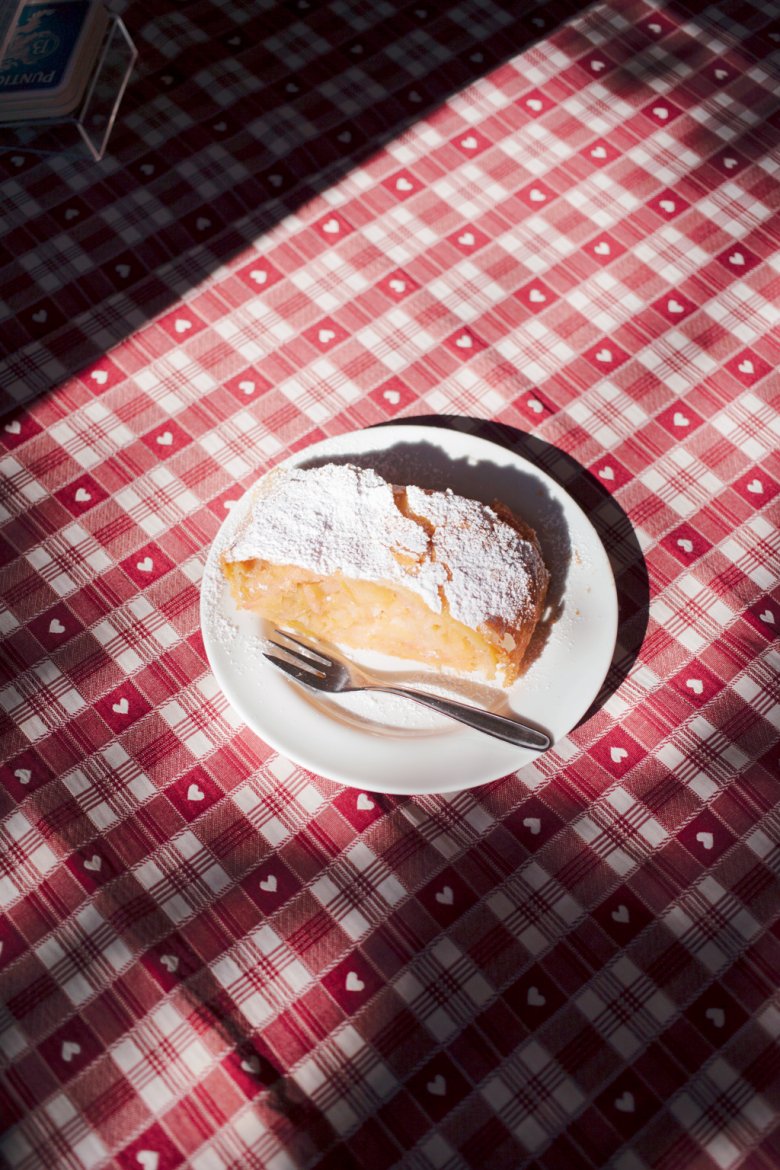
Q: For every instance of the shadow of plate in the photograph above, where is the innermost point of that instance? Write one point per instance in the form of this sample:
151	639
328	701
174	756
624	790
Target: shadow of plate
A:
612	524
426	465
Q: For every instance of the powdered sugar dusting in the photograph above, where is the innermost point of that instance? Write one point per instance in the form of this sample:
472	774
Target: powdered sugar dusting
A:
341	518
493	571
213	590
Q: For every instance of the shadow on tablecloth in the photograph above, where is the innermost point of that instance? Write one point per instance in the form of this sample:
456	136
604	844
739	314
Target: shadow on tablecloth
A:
234	119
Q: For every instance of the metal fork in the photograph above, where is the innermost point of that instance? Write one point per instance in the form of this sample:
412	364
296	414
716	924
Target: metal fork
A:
322	672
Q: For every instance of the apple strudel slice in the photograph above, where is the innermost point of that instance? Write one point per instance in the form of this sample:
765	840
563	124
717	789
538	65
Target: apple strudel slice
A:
337	552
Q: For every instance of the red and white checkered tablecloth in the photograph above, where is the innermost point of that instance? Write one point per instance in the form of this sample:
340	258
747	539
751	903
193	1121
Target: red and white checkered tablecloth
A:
313	218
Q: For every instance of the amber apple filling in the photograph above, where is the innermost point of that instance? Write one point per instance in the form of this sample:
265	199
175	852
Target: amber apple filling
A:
366	615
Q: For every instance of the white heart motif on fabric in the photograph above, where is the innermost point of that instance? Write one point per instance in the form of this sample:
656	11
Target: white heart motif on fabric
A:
414	96
680	420
345	136
716	1016
618	754
220	127
23	775
674	306
661	112
259	275
364	803
536	196
145	566
99	376
534	104
82	496
182	325
768	617
469	142
755	487
148	1159
69	1049
201	223
275	180
403	184
392	396
195	793
170	963
14	427
536	296
655	28
534	825
598	152
438	1086
269	885
620	914
146	169
602	248
597	66
251	1064
56	626
729	163
353	982
737	259
535	998
695	685
464	341
746	367
397	285
604	355
122	270
625	1103
685	544
668	205
17	160
445	896
40	317
332	227
706	840
606	473
228	504
291	87
467	239
165	439
720	74
247	387
93	863
121	708
325	336
535	405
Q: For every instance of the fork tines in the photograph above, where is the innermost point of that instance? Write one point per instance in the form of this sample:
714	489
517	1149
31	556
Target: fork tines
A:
310	659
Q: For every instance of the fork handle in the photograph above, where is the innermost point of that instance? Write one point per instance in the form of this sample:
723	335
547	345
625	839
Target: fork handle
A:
496	725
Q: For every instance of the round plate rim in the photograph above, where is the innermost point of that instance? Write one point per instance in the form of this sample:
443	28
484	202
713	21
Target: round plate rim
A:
505	759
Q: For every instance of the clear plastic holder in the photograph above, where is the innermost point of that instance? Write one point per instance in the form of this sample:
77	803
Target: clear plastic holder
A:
91	125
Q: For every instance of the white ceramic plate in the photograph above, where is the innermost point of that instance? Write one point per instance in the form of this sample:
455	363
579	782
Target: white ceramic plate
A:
384	744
